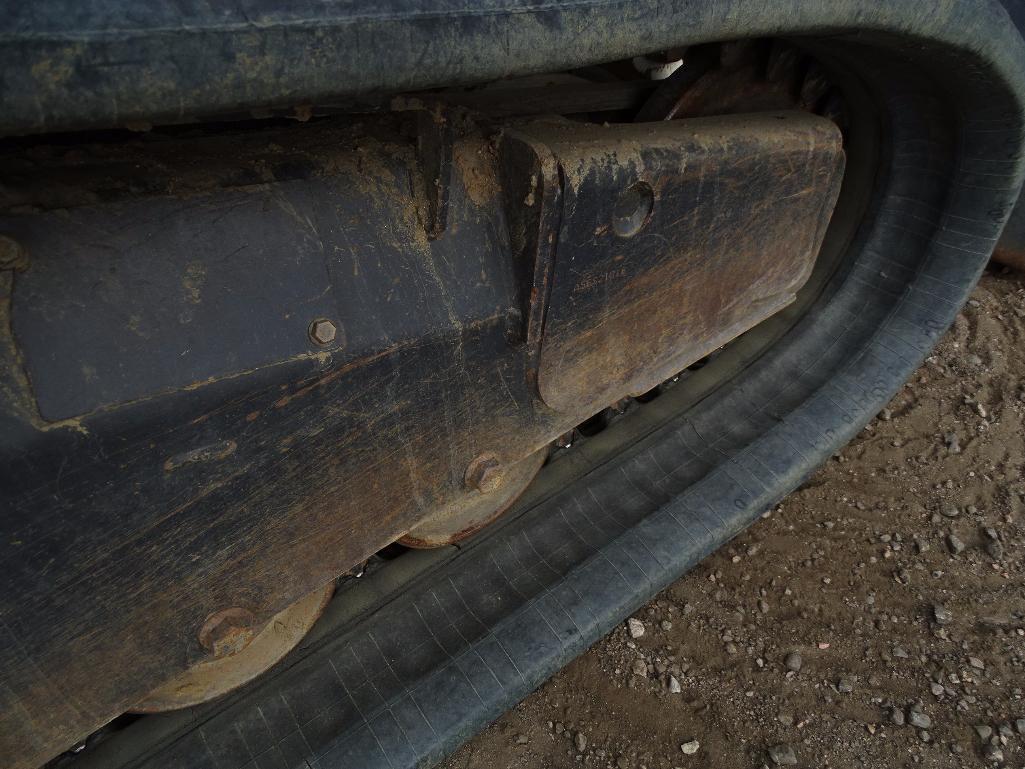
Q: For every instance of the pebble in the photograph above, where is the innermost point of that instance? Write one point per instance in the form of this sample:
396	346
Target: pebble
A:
635	627
782	755
521	739
1020	725
666	625
690	747
984	732
995	754
793	662
581	742
674	685
994	549
976	663
639	668
845	685
919	720
899	652
950	512
942	615
955	544
936	689
897	717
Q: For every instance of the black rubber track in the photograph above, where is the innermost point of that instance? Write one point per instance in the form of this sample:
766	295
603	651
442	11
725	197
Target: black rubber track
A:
426	669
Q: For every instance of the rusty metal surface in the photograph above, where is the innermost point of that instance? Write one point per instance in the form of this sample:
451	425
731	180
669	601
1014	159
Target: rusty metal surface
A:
469	514
176	418
739	206
230	668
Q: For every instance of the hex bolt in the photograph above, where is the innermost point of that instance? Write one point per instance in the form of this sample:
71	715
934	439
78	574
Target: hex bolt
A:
228	631
12	254
632	209
323	331
484	474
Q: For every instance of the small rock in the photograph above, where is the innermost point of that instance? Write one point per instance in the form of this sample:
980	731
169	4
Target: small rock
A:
845	685
793	662
666	625
954	447
976	663
639	668
674	685
994	549
782	755
950	512
1020	725
521	739
984	732
690	747
763	607
897	717
954	544
942	615
995	754
635	627
581	742
899	652
936	689
918	719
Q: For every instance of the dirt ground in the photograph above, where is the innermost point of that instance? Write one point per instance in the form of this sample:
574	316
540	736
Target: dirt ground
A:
875	618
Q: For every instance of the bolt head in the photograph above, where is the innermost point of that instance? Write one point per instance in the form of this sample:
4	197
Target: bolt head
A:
323	331
228	631
485	474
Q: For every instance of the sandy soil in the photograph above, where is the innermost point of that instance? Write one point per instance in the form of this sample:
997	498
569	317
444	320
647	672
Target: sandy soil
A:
894	574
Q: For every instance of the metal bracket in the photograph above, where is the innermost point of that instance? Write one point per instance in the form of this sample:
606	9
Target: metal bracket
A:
654	244
434	154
